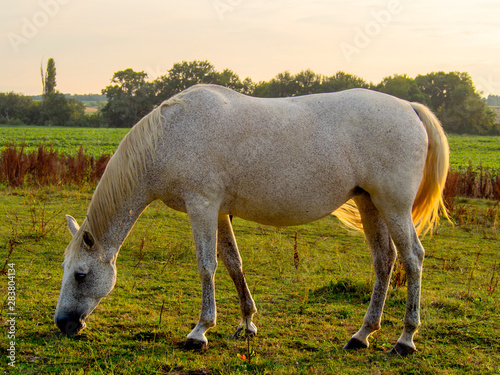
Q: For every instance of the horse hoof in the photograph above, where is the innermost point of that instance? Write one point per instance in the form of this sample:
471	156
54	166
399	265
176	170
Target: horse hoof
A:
195	345
402	350
240	335
237	334
355	344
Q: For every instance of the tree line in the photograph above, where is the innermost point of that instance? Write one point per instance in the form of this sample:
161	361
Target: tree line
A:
130	95
51	108
493	100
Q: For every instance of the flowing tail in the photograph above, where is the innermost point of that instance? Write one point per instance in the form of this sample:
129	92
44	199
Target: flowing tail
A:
429	200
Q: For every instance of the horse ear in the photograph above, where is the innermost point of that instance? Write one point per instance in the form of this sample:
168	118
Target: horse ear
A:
88	239
72	225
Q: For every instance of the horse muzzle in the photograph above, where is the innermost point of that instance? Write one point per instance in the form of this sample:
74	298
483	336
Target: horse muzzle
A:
71	324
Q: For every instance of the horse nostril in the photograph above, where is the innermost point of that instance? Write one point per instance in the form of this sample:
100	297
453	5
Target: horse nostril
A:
79	276
69	326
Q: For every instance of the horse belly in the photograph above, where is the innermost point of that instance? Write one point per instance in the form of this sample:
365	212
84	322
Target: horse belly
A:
276	217
285	202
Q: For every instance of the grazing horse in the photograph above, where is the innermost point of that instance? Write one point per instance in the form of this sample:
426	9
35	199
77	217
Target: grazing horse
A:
212	153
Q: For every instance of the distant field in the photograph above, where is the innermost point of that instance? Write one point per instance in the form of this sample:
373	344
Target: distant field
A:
68	140
476	150
465	150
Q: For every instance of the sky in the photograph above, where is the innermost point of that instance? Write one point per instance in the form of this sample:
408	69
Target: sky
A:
90	40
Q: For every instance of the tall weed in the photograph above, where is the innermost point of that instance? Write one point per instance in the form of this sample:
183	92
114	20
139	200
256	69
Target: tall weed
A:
48	167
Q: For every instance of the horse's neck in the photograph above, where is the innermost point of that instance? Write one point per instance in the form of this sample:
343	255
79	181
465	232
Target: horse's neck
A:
122	193
123	221
111	223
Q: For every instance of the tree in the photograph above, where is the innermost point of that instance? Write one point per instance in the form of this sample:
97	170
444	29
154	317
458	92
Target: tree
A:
307	82
49	82
186	74
452	96
230	79
18	109
284	84
493	100
55	110
454	99
342	81
402	87
130	97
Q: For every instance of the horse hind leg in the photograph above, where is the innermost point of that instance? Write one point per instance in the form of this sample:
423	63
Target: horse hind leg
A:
400	224
228	251
384	256
412	255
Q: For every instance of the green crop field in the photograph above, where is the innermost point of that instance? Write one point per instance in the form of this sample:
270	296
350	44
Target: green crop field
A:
465	150
474	150
68	140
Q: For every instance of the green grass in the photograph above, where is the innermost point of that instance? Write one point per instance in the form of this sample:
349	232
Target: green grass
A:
464	150
68	140
305	315
468	150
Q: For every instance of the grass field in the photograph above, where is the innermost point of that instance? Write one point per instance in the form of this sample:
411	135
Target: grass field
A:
305	315
465	150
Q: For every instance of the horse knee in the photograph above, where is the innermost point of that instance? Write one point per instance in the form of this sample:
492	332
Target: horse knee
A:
207	268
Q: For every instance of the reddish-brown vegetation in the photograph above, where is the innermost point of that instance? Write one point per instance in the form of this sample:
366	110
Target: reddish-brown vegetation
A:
46	167
471	183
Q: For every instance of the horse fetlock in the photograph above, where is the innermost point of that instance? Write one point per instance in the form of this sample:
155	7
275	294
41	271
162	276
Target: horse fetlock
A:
197	335
245	329
412	324
372	327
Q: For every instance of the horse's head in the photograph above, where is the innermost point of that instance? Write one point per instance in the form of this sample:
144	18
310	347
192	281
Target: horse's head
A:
89	275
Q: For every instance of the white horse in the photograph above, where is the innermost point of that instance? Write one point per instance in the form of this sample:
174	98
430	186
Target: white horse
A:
212	152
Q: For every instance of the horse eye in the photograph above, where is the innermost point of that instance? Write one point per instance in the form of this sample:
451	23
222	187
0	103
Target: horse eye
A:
79	276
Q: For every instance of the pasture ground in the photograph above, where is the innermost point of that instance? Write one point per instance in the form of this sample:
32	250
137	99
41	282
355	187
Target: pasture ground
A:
306	314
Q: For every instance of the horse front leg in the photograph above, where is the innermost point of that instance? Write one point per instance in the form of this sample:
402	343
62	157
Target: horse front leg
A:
203	218
228	251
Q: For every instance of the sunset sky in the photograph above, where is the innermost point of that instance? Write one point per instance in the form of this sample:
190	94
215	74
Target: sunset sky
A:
90	40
